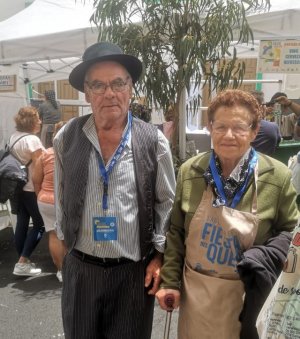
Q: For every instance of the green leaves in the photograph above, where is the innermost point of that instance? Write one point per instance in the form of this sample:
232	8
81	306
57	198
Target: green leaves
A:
179	41
184	44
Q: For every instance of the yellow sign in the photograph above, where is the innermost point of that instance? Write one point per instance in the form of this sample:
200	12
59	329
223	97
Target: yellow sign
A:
279	56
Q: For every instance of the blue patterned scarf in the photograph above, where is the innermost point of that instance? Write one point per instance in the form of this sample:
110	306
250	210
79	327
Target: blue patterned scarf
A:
231	185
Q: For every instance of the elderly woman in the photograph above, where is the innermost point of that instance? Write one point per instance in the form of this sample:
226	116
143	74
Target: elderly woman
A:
230	227
27	149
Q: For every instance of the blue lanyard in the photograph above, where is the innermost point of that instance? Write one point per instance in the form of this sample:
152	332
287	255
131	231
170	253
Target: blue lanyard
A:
105	173
219	184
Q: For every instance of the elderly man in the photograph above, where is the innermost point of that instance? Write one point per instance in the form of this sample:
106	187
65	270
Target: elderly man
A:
114	192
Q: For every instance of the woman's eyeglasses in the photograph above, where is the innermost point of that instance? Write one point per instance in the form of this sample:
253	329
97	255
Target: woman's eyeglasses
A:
237	129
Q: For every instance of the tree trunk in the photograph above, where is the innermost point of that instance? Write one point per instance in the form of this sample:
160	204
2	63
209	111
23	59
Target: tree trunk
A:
182	125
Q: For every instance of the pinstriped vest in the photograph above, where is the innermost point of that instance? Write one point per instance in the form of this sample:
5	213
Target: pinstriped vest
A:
75	178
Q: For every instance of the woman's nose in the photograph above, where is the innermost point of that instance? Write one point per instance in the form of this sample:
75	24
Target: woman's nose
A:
229	132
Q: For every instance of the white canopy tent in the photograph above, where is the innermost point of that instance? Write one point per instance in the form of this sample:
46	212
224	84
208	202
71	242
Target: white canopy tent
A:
47	29
41	43
281	22
48	37
57	29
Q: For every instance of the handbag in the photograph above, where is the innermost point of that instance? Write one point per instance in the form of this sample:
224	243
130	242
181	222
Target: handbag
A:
13	176
279	317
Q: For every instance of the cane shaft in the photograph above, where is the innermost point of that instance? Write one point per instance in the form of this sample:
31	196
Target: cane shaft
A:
167	325
169	300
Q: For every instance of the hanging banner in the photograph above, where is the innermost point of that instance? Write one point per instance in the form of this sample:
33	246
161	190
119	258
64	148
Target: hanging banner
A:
279	56
7	83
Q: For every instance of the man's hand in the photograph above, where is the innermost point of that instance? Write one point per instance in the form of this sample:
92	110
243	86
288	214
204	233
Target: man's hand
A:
161	297
153	273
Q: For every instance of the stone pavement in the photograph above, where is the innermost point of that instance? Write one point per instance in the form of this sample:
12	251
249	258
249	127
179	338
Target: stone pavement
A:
30	307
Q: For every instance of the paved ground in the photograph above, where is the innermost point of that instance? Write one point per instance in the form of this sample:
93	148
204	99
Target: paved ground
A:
30	307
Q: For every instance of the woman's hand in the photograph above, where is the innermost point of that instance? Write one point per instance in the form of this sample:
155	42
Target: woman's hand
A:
161	297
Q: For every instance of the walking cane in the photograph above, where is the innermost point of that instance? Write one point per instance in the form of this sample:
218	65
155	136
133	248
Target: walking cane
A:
169	300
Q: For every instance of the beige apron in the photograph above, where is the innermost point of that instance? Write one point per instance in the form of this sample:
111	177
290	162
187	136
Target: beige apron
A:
212	294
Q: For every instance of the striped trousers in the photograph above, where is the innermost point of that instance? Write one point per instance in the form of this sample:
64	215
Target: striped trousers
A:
105	303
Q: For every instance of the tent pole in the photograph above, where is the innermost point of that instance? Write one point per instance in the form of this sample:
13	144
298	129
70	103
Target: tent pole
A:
29	92
28	85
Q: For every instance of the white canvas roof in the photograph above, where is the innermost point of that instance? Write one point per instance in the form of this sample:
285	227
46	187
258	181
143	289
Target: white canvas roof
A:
54	29
61	29
47	29
280	23
277	25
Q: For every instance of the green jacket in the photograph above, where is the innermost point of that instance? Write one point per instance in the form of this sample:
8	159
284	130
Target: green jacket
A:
276	200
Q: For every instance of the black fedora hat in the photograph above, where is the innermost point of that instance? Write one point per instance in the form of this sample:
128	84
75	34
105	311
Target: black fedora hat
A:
104	51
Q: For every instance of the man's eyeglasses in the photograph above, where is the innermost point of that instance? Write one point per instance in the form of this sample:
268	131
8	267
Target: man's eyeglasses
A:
238	129
98	87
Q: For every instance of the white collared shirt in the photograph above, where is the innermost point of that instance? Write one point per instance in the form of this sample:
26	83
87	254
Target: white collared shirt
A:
122	198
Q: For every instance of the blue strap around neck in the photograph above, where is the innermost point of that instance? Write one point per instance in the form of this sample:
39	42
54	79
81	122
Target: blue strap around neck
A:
219	185
105	173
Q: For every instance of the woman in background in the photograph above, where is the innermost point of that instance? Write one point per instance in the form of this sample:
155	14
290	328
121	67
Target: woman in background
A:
43	179
27	149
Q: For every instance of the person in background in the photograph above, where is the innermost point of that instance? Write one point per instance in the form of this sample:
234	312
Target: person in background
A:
140	111
230	227
297	130
27	149
114	184
50	114
167	127
294	166
290	112
43	180
268	136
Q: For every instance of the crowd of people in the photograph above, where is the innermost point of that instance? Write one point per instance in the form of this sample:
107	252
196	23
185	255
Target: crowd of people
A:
123	231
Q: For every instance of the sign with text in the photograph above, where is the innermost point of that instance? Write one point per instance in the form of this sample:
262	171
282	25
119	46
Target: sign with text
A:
279	56
7	83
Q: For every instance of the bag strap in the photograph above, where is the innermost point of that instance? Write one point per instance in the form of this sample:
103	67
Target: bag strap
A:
22	136
11	147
